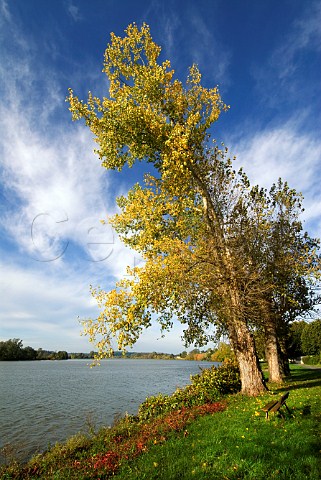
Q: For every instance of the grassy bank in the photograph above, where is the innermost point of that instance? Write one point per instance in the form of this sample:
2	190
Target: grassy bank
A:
239	443
229	439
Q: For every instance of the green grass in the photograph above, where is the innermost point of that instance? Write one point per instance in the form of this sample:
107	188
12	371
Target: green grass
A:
237	443
240	444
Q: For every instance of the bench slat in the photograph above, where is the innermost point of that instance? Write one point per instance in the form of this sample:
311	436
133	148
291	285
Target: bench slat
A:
285	396
275	405
269	405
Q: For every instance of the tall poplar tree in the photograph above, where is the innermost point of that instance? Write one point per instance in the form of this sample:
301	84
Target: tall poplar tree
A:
292	268
287	262
188	220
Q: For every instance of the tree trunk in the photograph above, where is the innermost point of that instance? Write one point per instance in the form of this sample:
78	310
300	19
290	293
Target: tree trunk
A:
242	341
273	352
284	359
244	347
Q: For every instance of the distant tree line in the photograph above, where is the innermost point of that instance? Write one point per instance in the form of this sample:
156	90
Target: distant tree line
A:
302	340
305	340
13	349
81	356
151	355
222	352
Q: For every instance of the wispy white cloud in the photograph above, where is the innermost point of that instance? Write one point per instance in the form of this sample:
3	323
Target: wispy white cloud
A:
291	154
305	35
53	181
186	37
40	304
289	145
56	189
5	10
55	194
207	50
43	303
284	68
74	11
168	27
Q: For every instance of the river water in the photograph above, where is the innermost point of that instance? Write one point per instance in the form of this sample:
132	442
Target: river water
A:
43	402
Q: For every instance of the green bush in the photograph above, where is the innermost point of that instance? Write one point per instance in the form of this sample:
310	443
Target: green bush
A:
223	379
311	360
206	387
311	338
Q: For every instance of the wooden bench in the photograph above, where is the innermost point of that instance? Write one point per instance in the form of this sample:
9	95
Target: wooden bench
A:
275	405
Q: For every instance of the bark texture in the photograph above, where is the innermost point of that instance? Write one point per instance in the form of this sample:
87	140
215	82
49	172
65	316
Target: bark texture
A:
284	357
242	340
273	353
251	375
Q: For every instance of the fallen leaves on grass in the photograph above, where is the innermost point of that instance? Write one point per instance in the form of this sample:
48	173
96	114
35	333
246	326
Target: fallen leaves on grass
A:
153	432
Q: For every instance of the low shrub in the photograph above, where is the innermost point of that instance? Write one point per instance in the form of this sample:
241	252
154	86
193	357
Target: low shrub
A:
206	387
311	360
223	380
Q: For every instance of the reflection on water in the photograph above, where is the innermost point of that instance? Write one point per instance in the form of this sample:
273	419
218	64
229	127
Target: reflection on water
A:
43	402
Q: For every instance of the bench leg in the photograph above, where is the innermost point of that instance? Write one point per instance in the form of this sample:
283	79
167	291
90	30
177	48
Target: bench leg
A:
288	409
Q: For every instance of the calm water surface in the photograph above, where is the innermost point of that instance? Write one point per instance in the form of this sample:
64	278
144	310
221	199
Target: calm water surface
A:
44	402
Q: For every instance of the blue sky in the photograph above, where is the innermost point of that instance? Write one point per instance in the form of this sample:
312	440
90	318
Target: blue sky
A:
265	57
